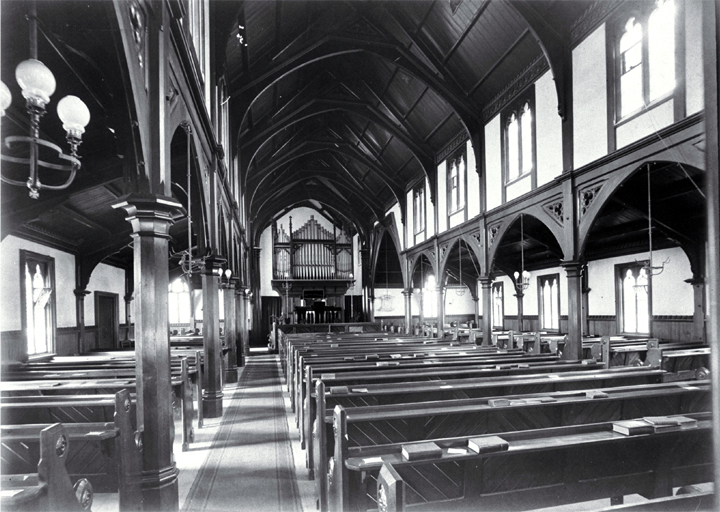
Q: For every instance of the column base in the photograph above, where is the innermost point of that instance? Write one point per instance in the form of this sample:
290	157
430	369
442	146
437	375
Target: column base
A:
160	489
231	375
212	406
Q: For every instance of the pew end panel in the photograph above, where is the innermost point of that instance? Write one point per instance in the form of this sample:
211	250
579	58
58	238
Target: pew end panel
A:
51	488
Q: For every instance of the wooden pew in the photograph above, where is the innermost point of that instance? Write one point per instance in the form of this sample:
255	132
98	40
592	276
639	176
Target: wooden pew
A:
50	488
370	426
549	467
415	360
106	453
401	396
694	502
507	367
387	352
50	382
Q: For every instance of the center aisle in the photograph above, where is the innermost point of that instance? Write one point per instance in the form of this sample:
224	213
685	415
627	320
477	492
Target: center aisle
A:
250	466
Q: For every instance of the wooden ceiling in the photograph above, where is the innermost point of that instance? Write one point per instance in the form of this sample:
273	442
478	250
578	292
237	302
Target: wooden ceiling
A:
338	105
369	92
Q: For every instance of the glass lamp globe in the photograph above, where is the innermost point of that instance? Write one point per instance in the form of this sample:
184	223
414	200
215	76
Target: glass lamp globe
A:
74	115
36	81
5	98
228	273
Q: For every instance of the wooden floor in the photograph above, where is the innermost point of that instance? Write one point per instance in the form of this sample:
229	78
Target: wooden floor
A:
250	459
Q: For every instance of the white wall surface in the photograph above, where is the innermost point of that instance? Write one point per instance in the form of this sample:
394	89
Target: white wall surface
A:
442	196
670	294
694	88
493	164
473	183
548	130
10	308
518	188
645	124
430	210
105	279
590	99
410	219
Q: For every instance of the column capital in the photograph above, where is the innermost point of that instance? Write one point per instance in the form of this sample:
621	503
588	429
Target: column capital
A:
486	281
696	281
128	297
81	293
212	263
573	268
151	214
407	292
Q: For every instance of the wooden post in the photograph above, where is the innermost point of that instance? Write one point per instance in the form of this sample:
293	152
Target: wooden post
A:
573	347
407	293
151	217
80	314
128	298
231	371
440	310
487	324
212	392
698	284
520	315
711	71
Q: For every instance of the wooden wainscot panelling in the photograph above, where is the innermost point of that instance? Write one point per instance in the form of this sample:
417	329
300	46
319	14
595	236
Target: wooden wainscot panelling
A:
12	347
602	325
675	328
66	341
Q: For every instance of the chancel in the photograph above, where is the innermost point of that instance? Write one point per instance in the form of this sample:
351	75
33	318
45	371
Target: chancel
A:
355	255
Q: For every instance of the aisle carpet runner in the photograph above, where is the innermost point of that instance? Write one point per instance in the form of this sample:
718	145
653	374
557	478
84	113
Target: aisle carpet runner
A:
250	466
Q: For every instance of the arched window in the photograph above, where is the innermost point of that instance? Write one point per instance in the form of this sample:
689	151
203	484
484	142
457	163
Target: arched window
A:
635	305
419	209
38	298
519	150
498	319
513	148
661	49
456	183
646	52
526	139
549	302
179	302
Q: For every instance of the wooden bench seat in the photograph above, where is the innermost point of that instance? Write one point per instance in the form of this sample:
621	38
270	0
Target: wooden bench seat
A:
49	386
106	453
404	394
543	467
374	356
418	362
693	502
509	367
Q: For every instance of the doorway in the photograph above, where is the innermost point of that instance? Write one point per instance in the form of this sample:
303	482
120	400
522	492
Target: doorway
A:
106	320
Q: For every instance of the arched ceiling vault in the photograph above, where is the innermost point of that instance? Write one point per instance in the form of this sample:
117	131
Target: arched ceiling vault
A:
372	91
